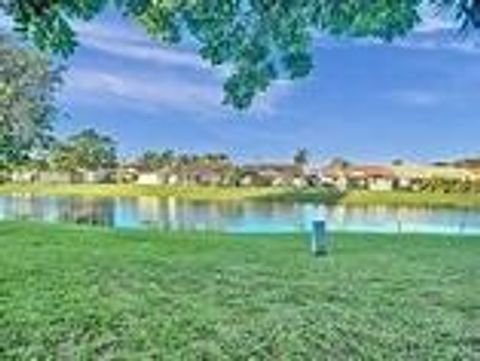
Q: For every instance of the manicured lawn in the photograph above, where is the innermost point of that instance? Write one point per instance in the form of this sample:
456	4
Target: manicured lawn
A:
318	195
132	190
78	293
414	199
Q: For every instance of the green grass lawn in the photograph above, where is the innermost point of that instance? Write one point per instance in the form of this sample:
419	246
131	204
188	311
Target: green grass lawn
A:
319	195
72	293
414	199
132	190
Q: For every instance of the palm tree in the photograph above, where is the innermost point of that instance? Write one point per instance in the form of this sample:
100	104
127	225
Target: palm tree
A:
168	157
339	163
301	157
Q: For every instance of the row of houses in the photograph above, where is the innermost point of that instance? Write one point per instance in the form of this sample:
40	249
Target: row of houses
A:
60	177
195	174
247	175
372	177
384	178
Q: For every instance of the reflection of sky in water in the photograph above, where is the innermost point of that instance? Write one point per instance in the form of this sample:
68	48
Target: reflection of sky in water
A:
246	216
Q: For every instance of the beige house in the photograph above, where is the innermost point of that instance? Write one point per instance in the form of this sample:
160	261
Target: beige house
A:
277	175
33	176
161	177
385	178
96	176
150	178
185	175
23	176
371	177
407	175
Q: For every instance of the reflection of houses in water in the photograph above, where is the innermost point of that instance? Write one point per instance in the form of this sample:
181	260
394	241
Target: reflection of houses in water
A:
92	211
194	215
162	213
25	206
272	210
397	219
172	220
251	216
364	218
148	209
152	211
180	214
79	210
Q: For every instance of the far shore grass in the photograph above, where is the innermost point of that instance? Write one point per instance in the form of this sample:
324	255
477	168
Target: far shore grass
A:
79	293
411	199
216	193
132	190
287	194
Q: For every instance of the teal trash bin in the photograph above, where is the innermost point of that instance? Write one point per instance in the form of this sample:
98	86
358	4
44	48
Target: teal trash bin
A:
319	238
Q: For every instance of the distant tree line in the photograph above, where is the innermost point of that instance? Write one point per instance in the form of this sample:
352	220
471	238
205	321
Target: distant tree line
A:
91	150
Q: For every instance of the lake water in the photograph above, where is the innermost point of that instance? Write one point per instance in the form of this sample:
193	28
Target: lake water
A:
239	216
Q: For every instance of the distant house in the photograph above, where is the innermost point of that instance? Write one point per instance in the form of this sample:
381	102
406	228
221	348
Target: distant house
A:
313	176
277	175
475	173
23	176
152	178
246	180
384	178
184	175
58	177
335	177
127	174
408	176
61	177
207	176
96	176
371	177
172	179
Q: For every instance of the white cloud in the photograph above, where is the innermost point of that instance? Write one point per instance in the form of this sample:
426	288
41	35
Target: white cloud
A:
447	41
148	93
434	24
428	41
196	89
123	41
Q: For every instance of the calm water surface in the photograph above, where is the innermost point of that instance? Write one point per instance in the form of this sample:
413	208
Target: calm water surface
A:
239	216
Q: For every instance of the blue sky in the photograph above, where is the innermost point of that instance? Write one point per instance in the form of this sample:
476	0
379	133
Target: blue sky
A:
415	99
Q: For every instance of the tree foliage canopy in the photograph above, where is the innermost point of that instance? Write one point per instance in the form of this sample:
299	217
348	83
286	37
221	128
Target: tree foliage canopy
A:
152	160
28	83
259	40
86	150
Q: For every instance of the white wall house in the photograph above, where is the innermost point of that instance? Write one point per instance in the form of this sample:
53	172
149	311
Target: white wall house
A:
97	176
23	176
151	178
380	184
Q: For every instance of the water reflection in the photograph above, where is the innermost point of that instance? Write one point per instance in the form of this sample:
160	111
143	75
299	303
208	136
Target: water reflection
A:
240	216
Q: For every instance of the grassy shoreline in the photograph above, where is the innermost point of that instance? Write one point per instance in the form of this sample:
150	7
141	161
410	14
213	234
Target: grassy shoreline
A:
281	194
411	199
133	190
80	293
321	195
